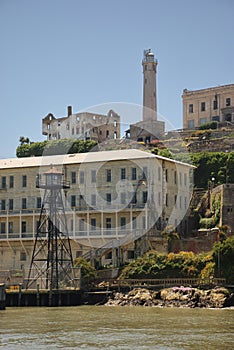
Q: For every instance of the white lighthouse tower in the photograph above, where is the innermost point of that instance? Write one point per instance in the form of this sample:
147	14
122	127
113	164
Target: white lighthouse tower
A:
149	64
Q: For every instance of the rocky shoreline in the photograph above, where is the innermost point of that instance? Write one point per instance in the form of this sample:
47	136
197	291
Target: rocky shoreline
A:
218	297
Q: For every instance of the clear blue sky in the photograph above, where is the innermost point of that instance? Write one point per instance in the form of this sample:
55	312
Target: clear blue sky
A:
56	53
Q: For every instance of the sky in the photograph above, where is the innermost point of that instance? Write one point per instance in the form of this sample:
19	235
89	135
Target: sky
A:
83	53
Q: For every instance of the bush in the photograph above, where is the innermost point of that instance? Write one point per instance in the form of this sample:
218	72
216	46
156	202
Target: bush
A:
172	265
207	126
87	270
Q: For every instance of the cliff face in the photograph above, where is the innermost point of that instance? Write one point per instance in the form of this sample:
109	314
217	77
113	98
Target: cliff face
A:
218	297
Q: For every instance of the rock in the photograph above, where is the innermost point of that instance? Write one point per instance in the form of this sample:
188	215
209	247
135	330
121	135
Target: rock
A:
175	297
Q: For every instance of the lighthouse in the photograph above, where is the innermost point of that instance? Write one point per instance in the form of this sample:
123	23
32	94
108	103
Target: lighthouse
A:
149	64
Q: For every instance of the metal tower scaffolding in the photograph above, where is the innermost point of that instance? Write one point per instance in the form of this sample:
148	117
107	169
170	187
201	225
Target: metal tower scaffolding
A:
51	263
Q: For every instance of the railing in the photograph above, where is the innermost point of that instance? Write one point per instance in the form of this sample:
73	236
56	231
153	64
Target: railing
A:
167	282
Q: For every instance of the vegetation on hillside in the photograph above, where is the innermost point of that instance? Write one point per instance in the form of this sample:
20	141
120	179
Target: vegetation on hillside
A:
219	263
217	165
223	256
53	147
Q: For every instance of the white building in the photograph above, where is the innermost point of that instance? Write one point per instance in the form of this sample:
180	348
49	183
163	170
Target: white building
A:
114	197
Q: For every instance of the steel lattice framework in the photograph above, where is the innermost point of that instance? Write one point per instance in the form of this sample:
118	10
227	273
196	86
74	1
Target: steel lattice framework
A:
51	264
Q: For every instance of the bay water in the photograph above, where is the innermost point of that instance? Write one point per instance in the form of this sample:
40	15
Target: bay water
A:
117	328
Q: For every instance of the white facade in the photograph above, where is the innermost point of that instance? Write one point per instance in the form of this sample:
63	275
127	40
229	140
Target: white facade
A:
114	197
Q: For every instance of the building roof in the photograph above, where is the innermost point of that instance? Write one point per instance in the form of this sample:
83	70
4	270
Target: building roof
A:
76	158
187	92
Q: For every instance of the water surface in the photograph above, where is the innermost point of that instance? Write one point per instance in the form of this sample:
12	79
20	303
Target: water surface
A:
117	328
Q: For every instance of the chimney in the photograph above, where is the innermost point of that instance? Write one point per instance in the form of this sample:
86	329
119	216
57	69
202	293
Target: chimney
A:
69	111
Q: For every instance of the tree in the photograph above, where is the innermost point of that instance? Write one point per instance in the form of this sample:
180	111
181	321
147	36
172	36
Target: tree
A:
223	255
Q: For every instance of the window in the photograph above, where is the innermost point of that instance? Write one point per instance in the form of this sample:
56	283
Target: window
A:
134	222
24	203
134	198
159	173
11	184
175	177
108	197
38	202
203	121
166	175
185	179
3	227
215	118
203	106
93	199
3	181
10	227
108	223
191	124
93	175
191	108
180	176
108	175
81	225
73	177
77	130
11	204
115	123
145	172
115	135
123	173
3	204
134	174
24	181
123	197
71	225
175	200
180	202
228	102
73	201
159	198
166	200
130	254
215	104
23	227
81	175
72	131
122	222
93	224
144	196
185	202
107	133
23	256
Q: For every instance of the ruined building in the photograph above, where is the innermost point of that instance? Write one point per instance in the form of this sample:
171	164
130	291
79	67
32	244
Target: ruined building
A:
83	126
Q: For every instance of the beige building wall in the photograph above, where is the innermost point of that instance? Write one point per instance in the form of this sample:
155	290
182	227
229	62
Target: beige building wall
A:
206	105
114	196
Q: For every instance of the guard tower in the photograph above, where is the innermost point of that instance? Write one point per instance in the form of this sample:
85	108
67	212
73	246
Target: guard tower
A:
51	263
149	64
